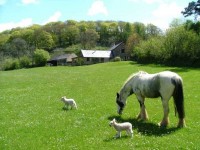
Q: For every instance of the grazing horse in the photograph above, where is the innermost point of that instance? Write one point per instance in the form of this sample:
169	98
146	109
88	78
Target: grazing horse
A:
163	84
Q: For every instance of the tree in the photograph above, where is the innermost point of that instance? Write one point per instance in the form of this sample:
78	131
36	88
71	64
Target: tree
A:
182	45
152	31
195	26
193	8
19	47
132	42
43	40
69	35
89	38
139	28
40	57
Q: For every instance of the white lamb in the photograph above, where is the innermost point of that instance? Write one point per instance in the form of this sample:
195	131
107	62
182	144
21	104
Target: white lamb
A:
69	102
122	126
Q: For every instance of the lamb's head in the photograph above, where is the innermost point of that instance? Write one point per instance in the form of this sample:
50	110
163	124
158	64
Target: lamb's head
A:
112	122
63	98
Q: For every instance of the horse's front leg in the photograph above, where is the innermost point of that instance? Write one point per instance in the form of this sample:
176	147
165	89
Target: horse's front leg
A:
165	120
143	113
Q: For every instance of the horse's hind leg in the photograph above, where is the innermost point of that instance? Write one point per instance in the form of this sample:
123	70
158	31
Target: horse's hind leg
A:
165	120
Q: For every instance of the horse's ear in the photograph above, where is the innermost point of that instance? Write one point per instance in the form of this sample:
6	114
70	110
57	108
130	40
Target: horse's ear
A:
117	95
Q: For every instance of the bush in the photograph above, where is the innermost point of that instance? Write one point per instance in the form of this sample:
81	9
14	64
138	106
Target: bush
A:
25	62
40	57
117	59
150	51
10	64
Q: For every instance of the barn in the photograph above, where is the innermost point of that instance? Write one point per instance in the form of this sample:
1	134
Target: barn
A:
100	56
64	59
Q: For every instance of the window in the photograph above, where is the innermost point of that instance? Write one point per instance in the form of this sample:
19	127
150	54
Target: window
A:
122	50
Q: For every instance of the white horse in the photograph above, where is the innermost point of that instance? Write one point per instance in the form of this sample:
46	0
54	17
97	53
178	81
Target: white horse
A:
164	84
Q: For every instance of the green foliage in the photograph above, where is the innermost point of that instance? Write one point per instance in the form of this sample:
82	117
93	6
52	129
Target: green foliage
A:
89	39
40	57
25	62
192	9
150	51
44	40
117	59
32	115
146	43
11	64
177	47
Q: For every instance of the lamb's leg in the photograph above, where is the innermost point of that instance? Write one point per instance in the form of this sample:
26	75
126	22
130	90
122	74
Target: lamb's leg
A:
118	135
67	106
129	132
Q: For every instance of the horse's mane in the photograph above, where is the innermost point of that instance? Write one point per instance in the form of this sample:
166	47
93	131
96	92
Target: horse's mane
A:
133	76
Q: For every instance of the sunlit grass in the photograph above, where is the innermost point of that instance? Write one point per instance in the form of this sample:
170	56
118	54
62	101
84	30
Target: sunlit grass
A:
32	115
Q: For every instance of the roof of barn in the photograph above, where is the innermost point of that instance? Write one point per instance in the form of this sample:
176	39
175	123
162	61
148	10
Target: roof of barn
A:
69	57
96	53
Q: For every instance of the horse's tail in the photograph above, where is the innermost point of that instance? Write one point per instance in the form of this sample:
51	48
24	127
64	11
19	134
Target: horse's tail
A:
178	97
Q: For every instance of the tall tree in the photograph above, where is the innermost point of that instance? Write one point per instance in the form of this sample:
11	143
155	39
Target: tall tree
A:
193	8
43	40
152	31
19	47
139	28
89	39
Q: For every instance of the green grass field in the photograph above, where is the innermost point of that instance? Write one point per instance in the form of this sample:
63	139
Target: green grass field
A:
32	115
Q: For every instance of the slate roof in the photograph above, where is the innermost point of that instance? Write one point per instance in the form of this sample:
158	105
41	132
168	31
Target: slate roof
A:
112	48
96	53
69	57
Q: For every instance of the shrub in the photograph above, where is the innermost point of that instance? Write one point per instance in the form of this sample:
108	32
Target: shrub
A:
25	62
117	59
10	64
40	57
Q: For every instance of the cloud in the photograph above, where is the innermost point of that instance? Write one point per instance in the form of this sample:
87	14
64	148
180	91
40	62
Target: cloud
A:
98	7
26	2
165	13
168	10
23	23
55	17
147	1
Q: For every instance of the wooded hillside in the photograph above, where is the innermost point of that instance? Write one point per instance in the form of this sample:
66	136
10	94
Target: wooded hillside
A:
147	43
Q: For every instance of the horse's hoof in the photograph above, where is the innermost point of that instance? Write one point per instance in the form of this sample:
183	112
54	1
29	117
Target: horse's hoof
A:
162	125
181	124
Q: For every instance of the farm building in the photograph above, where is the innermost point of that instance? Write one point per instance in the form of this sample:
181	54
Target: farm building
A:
98	56
64	59
95	56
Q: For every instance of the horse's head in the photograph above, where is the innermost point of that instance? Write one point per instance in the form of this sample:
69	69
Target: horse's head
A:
120	104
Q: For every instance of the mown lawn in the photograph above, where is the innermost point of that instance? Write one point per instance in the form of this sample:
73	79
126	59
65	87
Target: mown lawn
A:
32	115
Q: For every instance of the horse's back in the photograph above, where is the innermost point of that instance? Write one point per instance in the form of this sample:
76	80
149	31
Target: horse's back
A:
166	82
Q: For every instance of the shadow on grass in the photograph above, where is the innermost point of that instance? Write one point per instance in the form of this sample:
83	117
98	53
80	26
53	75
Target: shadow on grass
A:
113	138
146	128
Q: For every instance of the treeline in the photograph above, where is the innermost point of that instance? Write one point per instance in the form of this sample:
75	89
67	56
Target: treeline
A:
179	46
146	43
20	44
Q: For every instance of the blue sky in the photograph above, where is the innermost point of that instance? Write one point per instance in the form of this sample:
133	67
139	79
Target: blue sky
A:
23	13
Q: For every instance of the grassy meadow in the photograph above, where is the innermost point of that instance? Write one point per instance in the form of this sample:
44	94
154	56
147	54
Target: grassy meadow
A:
32	115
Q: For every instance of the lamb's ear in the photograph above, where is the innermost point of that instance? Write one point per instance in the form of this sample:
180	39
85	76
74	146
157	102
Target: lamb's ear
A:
114	120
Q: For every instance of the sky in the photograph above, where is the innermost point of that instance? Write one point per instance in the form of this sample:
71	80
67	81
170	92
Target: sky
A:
24	13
